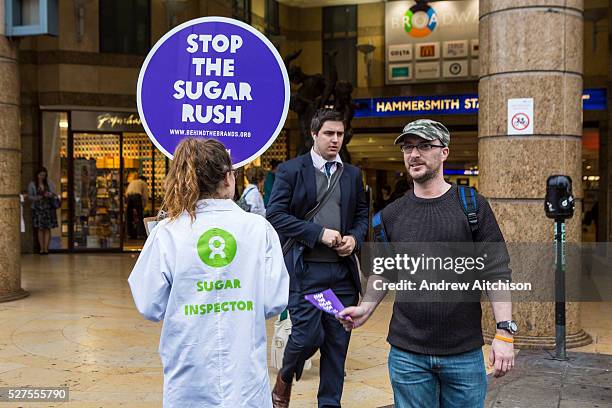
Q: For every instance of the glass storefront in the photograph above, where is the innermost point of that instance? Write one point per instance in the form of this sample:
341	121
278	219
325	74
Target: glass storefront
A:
92	166
55	153
590	183
96	191
141	161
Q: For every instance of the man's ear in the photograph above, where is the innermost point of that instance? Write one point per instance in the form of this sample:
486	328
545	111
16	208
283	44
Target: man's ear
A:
445	153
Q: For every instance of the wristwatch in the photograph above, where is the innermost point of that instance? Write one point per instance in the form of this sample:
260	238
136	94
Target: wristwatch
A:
509	325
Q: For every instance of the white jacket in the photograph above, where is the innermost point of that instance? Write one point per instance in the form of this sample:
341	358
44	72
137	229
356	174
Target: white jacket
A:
213	282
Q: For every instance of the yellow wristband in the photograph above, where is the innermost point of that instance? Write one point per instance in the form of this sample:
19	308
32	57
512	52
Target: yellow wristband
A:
502	338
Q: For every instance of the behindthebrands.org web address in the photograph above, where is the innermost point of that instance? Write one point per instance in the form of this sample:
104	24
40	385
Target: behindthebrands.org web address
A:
209	133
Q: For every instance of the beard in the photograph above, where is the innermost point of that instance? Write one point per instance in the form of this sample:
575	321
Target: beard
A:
429	174
425	177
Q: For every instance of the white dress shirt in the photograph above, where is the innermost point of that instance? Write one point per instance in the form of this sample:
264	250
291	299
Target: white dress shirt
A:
319	162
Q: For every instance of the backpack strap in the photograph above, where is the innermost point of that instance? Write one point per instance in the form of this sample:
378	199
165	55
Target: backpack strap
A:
247	191
467	197
379	228
380	235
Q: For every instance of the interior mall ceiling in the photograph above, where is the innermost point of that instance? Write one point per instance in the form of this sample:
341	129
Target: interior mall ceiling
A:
377	151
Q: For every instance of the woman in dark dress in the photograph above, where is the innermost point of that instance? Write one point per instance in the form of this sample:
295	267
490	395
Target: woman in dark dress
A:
44	205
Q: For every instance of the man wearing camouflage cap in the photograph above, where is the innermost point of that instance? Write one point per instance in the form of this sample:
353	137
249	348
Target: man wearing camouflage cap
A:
436	357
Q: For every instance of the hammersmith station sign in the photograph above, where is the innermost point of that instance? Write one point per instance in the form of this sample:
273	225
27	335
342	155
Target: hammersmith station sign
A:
467	104
593	99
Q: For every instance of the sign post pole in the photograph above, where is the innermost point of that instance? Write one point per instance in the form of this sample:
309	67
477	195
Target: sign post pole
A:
560	290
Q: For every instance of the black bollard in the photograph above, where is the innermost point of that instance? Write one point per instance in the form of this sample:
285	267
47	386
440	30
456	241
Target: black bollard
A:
559	205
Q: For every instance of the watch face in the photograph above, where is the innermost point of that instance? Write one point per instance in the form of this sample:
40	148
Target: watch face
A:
513	327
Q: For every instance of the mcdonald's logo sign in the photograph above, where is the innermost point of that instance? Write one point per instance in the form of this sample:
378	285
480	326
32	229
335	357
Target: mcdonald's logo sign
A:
428	51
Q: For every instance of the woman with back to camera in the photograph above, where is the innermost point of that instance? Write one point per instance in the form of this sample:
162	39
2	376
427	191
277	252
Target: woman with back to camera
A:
213	273
44	205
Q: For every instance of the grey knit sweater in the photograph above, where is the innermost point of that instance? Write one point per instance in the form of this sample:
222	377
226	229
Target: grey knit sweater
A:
441	328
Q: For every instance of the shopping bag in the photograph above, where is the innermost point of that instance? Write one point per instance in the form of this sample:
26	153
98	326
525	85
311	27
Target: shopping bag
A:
56	202
282	330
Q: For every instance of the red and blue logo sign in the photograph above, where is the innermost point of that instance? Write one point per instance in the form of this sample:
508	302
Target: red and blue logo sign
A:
420	20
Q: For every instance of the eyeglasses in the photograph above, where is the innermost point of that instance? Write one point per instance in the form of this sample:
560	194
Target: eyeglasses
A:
422	147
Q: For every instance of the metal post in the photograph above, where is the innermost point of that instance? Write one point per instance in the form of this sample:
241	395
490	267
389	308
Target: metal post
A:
560	290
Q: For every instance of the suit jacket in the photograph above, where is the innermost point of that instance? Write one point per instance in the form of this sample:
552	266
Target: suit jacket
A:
294	194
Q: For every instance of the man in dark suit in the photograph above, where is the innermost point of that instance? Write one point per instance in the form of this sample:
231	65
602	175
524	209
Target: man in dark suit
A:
322	255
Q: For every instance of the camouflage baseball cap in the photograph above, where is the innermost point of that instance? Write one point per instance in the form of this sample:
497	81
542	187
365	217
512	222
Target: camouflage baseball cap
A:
425	129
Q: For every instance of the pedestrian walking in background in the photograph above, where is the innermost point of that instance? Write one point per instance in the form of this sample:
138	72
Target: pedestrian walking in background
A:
137	194
320	240
267	190
251	194
44	203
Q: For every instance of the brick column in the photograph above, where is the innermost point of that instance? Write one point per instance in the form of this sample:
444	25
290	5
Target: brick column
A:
531	49
10	169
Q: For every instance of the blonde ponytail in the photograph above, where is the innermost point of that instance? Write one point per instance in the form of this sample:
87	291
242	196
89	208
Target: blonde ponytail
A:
197	170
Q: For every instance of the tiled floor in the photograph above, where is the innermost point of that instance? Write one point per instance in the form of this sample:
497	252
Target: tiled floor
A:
79	328
542	382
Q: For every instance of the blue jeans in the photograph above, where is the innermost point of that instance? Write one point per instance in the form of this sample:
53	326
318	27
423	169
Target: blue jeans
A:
423	380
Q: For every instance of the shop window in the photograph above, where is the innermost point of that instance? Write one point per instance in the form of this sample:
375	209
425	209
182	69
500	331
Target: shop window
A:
591	184
55	160
161	165
138	166
125	26
272	18
340	39
142	159
241	10
96	191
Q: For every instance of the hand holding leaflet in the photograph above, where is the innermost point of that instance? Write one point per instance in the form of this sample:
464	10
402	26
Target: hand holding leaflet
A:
326	301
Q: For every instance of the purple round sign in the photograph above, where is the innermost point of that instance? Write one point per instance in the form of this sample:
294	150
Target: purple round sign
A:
214	77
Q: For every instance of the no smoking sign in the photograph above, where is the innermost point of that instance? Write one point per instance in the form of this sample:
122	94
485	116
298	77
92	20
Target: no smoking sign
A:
520	116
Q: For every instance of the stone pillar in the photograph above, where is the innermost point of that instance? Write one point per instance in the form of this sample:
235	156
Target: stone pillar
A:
531	49
10	169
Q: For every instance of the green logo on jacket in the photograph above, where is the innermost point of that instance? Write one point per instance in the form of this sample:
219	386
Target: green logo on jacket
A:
217	248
